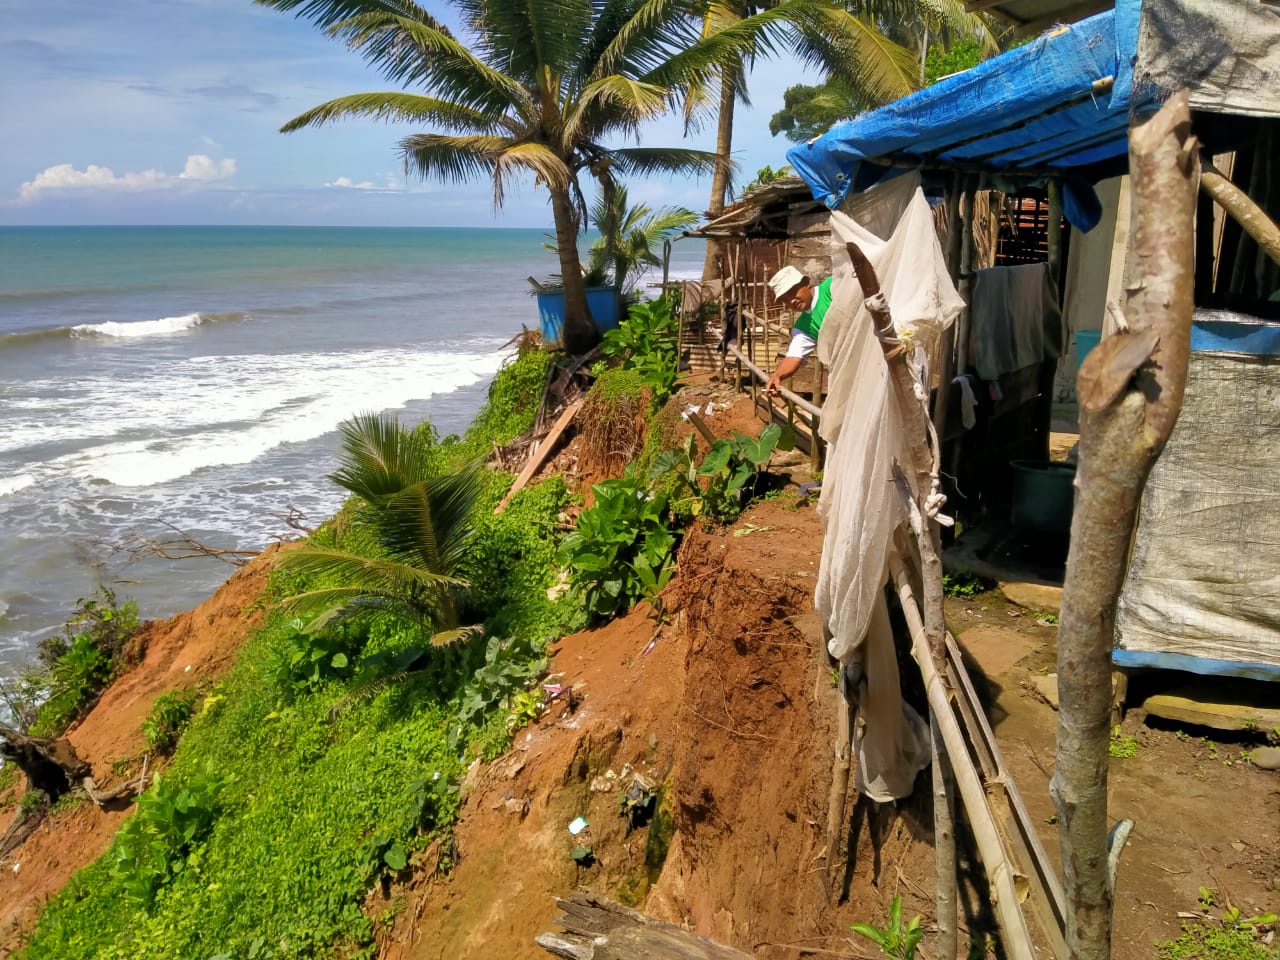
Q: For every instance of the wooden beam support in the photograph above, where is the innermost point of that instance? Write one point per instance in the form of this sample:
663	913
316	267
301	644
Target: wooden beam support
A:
1251	217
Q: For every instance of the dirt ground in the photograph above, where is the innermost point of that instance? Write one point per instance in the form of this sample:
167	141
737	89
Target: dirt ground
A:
725	705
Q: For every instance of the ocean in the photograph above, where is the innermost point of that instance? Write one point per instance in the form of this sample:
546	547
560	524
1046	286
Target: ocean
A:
157	380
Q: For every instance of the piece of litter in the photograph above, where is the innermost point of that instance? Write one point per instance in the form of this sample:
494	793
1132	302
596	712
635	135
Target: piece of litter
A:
652	643
579	824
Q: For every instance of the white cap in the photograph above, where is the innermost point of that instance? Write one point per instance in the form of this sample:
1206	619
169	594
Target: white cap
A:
784	280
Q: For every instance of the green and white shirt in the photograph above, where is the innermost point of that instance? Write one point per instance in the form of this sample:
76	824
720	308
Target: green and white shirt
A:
804	332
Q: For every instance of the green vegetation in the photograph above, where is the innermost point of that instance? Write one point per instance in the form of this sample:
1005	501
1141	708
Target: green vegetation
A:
893	939
646	343
622	550
1227	937
726	479
80	663
1122	746
330	755
169	716
963	584
629	237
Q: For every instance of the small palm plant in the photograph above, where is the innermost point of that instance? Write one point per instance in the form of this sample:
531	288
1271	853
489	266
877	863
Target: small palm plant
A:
894	940
420	523
630	236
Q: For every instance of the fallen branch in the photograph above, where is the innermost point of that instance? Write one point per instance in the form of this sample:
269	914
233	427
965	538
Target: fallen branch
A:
181	546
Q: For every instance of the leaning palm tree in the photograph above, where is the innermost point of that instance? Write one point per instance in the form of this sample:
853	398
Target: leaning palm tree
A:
543	87
420	524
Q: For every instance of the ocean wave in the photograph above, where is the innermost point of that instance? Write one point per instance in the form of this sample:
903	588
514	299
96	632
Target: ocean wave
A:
307	396
10	485
117	329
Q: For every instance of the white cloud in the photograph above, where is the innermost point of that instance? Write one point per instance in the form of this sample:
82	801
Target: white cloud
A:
200	167
64	177
350	184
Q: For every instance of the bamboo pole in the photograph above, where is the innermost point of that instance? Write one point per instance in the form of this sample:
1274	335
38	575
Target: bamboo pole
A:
1131	392
1015	938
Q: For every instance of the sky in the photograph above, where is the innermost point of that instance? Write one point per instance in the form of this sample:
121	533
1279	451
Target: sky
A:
168	112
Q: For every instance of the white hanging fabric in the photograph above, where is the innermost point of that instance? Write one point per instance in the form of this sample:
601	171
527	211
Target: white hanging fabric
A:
862	425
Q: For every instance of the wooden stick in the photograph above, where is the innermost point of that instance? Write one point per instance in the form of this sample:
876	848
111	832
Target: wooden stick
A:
1127	411
1015	937
540	454
838	795
923	443
1251	217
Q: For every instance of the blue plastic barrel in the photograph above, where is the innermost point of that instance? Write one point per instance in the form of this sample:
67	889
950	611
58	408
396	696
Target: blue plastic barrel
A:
604	303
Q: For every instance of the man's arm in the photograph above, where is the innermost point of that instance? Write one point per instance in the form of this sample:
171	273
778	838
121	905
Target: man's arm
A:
786	368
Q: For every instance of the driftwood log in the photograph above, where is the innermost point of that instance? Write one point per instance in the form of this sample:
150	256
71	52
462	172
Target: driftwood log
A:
596	929
1130	396
53	769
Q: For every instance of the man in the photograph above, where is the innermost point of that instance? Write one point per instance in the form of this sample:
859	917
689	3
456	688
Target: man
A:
792	287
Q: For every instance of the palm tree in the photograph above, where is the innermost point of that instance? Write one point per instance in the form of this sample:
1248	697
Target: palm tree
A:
544	88
629	236
420	523
856	43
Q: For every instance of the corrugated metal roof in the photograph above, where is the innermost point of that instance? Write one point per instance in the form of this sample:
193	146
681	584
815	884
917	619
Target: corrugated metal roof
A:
1032	16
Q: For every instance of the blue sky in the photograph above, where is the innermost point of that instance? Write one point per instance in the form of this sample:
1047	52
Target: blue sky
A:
167	112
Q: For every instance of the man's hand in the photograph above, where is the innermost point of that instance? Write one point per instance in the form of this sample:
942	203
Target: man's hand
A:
772	385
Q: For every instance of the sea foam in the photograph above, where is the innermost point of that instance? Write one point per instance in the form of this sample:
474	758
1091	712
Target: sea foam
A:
299	398
10	485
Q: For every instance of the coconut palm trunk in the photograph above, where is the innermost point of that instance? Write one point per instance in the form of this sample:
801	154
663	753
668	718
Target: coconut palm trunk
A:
729	81
580	333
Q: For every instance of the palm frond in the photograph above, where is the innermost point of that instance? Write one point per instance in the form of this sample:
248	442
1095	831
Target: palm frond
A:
646	160
453	159
630	99
380	457
357	573
399	106
538	158
872	66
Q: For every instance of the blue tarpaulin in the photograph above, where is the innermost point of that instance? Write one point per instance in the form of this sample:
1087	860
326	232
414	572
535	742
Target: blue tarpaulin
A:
1059	105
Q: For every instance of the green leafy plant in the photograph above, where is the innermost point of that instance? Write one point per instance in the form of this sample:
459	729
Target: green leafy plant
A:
963	584
1231	936
169	715
646	342
1122	746
509	667
162	839
82	661
719	486
893	939
312	658
622	549
419	523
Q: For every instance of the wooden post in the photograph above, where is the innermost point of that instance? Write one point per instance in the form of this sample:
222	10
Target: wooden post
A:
1130	390
966	275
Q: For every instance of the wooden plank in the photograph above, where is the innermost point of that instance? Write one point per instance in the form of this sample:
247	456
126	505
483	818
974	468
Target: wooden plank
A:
540	454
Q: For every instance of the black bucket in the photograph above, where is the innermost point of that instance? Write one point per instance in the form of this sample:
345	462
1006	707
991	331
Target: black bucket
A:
1043	496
